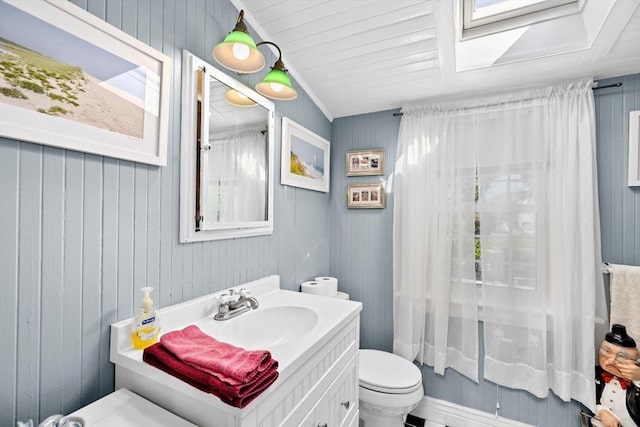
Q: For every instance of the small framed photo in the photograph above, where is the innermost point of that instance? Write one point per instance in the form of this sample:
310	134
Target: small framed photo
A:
365	162
368	196
305	158
634	148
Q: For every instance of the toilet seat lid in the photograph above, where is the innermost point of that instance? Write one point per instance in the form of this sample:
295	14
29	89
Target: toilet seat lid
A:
388	373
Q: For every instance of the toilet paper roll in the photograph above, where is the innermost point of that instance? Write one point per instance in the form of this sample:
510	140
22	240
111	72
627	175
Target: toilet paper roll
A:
332	285
314	288
342	295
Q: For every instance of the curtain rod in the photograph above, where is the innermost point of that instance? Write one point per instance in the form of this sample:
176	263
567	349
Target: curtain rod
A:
616	84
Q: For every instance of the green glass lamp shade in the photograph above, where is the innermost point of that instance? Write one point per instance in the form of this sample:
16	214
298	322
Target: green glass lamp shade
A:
277	85
238	52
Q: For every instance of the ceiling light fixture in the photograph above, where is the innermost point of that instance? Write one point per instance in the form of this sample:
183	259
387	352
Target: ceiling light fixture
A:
238	52
238	99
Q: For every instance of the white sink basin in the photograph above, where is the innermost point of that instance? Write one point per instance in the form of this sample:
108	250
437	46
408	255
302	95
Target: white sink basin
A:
263	327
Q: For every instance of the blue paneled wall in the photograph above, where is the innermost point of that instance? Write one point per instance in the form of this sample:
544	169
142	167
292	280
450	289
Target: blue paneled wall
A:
80	234
361	248
361	239
619	204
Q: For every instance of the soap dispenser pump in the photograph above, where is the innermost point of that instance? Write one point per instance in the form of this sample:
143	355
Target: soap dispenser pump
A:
145	325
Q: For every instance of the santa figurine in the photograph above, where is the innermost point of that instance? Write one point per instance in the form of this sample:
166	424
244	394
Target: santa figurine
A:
617	381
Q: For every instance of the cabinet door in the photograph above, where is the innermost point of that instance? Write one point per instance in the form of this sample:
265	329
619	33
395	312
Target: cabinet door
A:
341	399
309	420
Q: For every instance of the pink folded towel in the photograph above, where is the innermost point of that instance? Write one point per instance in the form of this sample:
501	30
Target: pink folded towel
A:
231	364
239	395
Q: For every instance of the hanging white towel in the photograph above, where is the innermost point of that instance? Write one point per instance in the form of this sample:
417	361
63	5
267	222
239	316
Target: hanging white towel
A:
625	298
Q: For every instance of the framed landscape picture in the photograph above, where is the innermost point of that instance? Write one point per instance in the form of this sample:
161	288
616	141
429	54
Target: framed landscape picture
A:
74	81
305	158
365	162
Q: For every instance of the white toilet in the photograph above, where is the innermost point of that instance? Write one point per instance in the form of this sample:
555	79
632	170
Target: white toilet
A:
390	388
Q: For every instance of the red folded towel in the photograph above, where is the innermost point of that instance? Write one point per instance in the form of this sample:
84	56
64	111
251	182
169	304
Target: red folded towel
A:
235	395
229	363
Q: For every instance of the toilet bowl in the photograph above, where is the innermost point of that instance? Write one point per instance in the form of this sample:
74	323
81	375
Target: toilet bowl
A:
390	388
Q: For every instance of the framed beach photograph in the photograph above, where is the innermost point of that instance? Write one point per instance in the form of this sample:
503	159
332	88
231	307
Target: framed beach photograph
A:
370	196
365	162
305	158
634	148
76	82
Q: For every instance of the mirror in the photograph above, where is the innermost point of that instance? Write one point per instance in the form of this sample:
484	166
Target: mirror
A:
226	177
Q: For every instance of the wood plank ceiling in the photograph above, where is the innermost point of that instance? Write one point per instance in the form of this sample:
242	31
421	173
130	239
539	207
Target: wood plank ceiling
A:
358	56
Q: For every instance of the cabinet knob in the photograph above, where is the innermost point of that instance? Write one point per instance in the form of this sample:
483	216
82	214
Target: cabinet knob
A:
346	404
322	425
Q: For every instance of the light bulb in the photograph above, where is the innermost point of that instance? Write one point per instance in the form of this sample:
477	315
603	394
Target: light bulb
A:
277	87
240	51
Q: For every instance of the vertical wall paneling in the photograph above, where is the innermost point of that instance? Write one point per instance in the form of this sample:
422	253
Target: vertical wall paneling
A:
81	234
9	226
180	26
143	30
71	347
125	238
166	208
109	279
154	178
91	274
140	228
52	276
29	280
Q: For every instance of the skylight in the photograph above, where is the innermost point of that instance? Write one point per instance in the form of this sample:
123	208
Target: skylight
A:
483	17
484	8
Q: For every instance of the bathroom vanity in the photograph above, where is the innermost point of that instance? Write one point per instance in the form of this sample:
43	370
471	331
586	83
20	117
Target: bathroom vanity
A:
315	340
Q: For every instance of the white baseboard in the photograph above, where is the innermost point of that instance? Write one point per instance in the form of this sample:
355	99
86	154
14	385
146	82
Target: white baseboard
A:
453	415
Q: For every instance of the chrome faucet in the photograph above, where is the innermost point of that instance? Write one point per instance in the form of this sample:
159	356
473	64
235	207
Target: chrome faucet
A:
234	304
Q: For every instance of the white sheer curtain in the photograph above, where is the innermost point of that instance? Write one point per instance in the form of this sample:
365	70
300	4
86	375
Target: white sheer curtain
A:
532	157
435	305
236	161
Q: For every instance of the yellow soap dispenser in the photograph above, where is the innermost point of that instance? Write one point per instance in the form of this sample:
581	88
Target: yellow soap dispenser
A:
145	325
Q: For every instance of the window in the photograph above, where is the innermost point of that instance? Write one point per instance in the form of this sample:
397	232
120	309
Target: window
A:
508	236
484	17
509	239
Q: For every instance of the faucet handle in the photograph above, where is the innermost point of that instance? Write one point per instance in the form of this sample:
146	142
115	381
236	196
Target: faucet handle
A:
244	292
233	295
223	299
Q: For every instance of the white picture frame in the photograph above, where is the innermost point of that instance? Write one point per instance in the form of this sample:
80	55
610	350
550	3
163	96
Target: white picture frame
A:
95	88
305	158
634	148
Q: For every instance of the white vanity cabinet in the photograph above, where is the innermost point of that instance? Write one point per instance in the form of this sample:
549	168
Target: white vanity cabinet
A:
318	381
